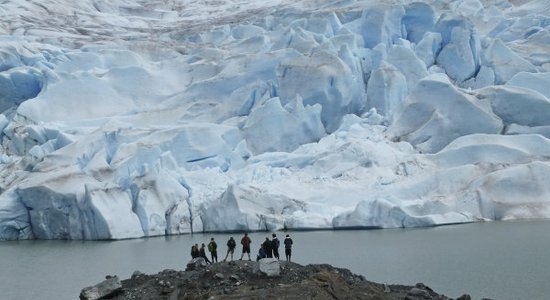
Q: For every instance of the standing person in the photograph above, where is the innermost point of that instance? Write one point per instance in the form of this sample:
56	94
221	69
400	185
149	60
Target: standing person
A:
213	249
230	248
288	247
195	251
202	253
245	241
275	246
267	248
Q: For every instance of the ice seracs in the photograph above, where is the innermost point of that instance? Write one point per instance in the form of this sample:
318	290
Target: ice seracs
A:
436	112
129	119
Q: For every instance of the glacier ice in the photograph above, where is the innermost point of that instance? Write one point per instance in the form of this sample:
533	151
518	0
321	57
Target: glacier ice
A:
436	112
504	61
459	55
386	90
515	105
533	81
272	128
129	119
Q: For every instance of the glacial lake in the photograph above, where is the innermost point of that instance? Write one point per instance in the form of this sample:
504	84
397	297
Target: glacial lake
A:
498	260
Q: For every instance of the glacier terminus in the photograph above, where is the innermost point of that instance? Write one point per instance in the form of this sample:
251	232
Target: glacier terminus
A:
130	118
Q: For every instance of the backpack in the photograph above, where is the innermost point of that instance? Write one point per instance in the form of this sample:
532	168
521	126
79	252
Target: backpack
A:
195	252
276	243
288	243
211	246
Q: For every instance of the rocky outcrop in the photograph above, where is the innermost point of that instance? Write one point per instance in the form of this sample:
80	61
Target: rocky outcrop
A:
245	280
108	287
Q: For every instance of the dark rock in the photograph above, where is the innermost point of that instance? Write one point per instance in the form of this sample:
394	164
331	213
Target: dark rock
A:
241	282
166	290
464	297
422	286
165	283
137	274
219	276
108	287
168	272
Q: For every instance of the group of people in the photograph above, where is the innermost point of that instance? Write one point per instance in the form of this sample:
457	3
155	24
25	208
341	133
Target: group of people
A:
268	249
200	252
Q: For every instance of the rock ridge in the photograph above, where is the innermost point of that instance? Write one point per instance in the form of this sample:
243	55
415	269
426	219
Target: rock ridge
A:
245	280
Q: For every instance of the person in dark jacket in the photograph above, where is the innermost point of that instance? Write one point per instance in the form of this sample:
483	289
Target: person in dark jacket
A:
275	246
230	248
213	249
195	252
267	248
288	247
261	253
202	253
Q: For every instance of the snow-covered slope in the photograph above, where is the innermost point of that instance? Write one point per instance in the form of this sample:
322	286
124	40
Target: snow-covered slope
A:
131	118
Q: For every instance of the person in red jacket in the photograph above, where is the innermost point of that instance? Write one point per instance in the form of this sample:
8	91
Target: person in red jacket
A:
246	241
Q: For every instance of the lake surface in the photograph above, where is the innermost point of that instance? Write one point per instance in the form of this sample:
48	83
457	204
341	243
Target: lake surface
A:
499	260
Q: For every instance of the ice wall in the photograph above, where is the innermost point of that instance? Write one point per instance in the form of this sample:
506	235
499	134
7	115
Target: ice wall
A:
133	119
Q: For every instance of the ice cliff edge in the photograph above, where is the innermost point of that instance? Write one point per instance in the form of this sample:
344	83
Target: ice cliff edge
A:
127	120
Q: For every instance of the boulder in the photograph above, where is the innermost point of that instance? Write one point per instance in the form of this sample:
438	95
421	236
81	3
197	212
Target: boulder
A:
268	266
137	273
109	286
196	264
417	293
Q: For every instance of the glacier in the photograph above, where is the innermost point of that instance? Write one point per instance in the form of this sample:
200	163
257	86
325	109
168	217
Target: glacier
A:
129	118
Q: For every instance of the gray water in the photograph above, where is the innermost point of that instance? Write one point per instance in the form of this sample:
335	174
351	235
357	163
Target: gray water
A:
499	260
